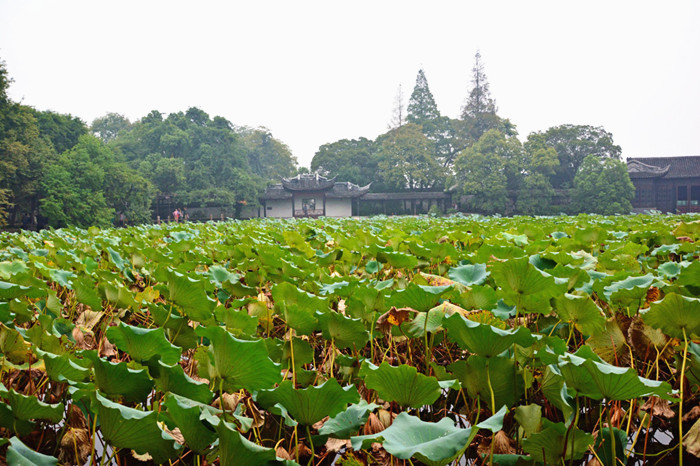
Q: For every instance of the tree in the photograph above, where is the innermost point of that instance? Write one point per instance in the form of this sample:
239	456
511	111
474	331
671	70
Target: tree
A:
536	193
73	188
406	160
23	155
603	186
108	127
353	160
479	110
268	157
421	104
483	170
573	143
479	101
398	115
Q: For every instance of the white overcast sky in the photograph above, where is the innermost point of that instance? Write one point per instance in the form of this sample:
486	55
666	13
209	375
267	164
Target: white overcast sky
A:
314	72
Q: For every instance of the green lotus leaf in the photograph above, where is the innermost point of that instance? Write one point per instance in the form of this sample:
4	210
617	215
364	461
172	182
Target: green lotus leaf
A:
397	260
483	339
610	343
689	278
240	364
309	405
12	423
474	374
554	389
118	294
62	367
345	423
21	455
522	284
116	379
86	292
599	380
469	274
299	307
191	296
418	326
10	291
673	314
402	384
512	460
13	346
236	449
478	297
529	417
629	292
344	331
29	407
172	378
495	422
548	444
187	415
581	311
9	270
125	427
143	344
433	443
328	258
418	297
176	327
237	321
670	269
219	275
604	446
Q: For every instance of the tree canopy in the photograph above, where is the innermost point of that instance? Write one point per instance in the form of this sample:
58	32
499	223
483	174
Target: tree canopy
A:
603	186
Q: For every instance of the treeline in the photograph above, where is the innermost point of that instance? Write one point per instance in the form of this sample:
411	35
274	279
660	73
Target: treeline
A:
57	171
480	156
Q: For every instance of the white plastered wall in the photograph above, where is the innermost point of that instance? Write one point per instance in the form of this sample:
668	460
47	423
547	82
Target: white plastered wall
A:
338	207
281	208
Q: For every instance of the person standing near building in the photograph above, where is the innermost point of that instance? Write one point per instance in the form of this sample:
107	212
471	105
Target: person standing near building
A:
176	215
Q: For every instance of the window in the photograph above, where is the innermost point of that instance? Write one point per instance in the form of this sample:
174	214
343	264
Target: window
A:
682	198
694	195
308	204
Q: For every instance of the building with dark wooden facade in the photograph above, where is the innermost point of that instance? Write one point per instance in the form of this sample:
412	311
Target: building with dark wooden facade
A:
667	184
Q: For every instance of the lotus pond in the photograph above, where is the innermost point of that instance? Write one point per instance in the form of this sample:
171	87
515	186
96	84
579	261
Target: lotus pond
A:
418	340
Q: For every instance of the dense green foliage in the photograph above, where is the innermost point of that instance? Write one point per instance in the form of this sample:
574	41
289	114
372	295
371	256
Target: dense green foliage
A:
508	177
603	186
52	173
444	341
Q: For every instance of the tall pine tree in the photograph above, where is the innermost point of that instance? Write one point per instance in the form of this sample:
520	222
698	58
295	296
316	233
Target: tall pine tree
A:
479	101
421	105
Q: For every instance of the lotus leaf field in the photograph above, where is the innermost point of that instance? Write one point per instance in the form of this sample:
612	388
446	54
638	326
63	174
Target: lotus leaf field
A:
408	340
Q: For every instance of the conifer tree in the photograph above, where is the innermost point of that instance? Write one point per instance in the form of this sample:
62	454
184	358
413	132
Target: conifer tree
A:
421	105
398	116
479	101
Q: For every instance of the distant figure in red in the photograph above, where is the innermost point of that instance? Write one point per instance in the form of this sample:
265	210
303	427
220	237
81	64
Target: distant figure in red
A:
176	215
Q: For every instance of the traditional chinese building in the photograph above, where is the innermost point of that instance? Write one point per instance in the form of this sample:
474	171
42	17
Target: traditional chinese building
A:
311	195
667	184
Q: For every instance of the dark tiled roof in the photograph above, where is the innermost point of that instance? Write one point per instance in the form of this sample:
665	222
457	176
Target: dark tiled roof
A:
406	196
678	167
345	189
308	182
339	190
276	192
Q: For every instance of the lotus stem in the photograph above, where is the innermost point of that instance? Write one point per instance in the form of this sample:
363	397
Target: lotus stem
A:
493	407
612	435
311	443
680	405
